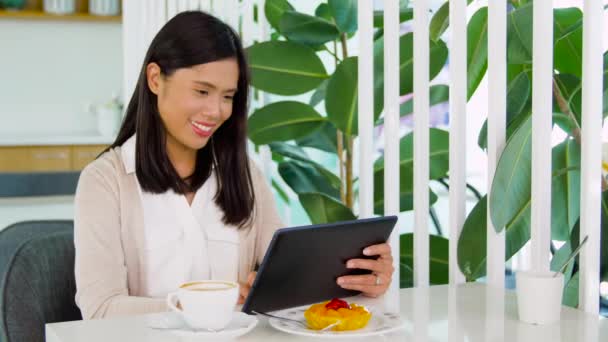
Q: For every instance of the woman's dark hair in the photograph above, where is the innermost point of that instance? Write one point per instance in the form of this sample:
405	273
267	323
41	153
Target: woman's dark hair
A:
189	39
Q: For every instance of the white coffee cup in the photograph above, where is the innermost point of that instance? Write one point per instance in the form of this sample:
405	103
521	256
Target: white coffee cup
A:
539	296
205	304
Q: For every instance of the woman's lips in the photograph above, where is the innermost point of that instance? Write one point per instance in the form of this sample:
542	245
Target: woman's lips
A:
201	129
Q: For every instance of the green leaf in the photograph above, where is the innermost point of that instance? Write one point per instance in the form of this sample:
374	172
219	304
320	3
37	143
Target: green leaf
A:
323	11
519	35
568	53
324	139
571	292
303	177
307	29
518	96
297	153
319	94
441	21
405	14
438	259
282	121
477	49
567	85
566	20
279	189
341	97
565	196
285	68
438	57
324	209
439	165
511	184
345	13
274	10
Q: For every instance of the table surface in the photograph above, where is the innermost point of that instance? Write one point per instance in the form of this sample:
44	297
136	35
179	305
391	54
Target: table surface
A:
468	312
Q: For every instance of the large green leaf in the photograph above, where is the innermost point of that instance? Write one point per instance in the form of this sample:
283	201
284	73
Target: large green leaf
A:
519	35
438	260
565	197
297	153
341	97
438	56
285	68
303	177
307	29
345	14
566	20
274	9
441	21
518	95
324	139
568	53
477	49
282	121
319	94
472	244
324	209
439	165
511	184
323	11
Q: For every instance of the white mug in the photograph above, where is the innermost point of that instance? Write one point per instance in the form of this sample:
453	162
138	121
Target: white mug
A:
205	304
539	296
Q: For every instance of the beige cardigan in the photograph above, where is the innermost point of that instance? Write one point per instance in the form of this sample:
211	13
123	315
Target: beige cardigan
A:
108	236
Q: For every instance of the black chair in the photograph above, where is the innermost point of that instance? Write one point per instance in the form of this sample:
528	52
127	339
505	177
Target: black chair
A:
37	283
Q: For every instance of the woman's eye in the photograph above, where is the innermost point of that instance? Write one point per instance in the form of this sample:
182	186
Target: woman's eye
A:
229	98
203	92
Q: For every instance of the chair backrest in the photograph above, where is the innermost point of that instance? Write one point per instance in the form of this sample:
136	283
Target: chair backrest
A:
37	283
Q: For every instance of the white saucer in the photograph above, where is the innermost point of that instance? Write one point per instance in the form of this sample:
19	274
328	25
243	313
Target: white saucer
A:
380	324
240	324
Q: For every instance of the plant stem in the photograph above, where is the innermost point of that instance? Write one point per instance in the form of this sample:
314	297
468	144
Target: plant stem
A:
340	140
576	130
349	196
349	173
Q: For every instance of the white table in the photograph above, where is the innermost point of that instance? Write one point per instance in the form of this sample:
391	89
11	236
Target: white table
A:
470	312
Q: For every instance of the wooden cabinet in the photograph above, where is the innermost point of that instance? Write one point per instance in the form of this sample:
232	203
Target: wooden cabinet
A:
47	158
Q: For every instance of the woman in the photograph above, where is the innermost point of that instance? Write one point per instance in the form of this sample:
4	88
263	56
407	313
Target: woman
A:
175	197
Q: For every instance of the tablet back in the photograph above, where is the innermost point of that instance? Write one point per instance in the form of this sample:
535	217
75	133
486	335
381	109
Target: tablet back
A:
302	264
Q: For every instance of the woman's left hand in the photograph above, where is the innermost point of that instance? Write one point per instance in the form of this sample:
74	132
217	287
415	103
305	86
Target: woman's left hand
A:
376	283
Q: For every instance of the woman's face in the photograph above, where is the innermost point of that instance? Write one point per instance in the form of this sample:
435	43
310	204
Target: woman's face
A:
194	102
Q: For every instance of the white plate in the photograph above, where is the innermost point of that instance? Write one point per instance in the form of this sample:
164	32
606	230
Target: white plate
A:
240	324
380	323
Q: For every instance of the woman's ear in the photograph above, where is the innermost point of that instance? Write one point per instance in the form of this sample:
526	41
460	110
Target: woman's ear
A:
153	77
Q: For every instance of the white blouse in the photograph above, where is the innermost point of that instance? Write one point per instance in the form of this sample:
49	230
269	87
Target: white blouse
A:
183	242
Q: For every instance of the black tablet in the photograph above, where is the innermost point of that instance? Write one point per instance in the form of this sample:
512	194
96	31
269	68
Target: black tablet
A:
302	264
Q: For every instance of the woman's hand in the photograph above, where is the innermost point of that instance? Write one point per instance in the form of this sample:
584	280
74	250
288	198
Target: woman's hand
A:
375	284
245	287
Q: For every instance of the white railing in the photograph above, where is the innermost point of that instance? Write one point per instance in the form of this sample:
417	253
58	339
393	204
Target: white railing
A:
541	137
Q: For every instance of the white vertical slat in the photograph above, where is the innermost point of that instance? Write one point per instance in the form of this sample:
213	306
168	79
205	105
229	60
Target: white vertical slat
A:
421	143
182	5
231	13
205	5
131	63
497	122
391	129
366	107
194	5
542	75
458	130
591	159
172	9
247	32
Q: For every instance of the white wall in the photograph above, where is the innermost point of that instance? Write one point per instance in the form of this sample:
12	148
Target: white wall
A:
51	70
